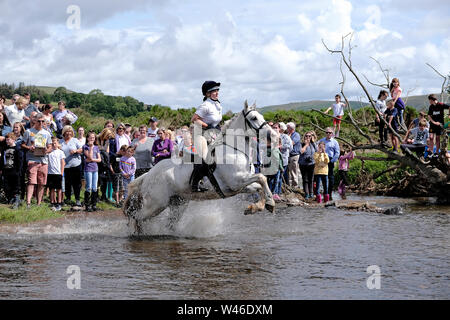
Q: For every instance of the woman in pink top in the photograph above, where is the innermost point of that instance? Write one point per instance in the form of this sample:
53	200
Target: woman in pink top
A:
396	92
344	159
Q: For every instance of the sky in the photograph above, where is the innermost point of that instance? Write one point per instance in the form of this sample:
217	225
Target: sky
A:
271	52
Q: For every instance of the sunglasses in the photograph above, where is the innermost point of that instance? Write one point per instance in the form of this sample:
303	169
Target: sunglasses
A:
328	132
307	136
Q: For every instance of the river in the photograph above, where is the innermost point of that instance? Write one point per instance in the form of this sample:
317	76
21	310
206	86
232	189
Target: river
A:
216	252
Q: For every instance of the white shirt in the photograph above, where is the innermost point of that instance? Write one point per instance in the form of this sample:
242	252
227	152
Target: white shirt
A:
152	133
122	140
210	111
14	114
54	161
380	105
338	109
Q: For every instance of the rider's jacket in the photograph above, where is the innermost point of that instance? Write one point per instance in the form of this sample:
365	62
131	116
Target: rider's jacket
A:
211	112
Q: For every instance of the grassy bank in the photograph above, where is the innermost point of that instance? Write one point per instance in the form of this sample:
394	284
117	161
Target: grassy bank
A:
39	213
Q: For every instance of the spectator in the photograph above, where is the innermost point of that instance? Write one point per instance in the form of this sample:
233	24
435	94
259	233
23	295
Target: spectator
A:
420	139
128	129
63	117
117	174
285	149
38	143
56	165
338	112
10	170
80	135
344	160
127	169
50	125
32	122
143	151
19	132
135	134
2	103
293	168
121	137
436	117
272	164
396	92
72	149
4	129
391	119
92	158
153	127
416	121
321	171
31	106
16	112
333	152
109	124
380	107
104	168
162	147
306	162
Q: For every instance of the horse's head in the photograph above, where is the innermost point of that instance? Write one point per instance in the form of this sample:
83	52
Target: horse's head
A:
253	118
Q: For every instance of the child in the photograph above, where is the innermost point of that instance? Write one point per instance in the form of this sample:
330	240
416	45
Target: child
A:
117	180
343	169
10	169
338	112
127	169
419	141
91	159
380	105
321	172
56	165
436	117
396	92
391	118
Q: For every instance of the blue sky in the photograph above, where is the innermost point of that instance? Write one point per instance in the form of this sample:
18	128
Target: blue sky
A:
268	51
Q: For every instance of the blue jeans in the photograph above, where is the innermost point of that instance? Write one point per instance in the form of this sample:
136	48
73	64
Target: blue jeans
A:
273	183
323	178
91	181
126	182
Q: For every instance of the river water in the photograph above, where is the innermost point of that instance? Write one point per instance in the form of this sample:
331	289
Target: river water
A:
216	252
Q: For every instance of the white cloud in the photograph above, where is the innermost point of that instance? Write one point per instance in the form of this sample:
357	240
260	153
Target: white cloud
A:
273	58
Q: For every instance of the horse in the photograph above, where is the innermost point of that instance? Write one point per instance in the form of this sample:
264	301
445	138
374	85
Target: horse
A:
167	184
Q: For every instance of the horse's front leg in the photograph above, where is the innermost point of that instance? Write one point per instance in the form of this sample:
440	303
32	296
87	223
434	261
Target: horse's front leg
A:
268	197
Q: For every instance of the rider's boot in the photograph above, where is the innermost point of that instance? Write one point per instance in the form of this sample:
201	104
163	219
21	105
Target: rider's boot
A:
197	175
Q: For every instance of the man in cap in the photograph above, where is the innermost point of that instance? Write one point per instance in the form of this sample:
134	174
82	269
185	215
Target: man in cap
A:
152	127
207	116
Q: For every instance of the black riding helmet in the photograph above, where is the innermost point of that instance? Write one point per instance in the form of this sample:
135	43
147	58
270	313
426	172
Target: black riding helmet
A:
210	86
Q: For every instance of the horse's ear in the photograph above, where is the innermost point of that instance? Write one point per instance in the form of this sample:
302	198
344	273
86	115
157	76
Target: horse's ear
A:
253	105
245	105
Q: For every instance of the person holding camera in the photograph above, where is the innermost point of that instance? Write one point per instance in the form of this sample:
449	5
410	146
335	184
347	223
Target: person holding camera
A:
306	162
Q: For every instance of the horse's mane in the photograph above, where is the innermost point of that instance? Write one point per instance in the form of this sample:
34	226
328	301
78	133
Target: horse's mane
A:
229	122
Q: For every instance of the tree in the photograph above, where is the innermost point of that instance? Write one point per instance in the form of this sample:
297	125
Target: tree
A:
433	177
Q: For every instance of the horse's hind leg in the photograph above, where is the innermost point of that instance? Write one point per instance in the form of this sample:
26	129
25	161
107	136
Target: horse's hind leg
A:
177	206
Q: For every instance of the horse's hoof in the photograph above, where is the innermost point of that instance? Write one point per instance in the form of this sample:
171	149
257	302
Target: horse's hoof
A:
270	207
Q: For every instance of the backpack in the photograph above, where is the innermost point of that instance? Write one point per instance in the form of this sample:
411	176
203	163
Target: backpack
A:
103	165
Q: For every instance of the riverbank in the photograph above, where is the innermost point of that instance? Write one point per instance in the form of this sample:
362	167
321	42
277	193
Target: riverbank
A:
44	212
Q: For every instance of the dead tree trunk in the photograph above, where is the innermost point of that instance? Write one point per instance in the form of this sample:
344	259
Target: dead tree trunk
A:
434	176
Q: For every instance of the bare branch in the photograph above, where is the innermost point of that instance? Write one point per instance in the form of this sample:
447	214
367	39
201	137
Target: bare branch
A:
443	84
375	176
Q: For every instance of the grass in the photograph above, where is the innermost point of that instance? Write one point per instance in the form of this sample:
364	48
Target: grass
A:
42	212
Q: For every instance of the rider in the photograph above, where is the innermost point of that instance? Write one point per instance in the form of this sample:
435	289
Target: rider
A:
207	116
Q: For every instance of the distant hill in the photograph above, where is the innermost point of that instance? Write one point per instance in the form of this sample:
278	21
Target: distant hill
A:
50	90
417	102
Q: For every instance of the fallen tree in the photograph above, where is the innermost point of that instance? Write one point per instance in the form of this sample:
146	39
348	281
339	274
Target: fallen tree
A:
431	178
